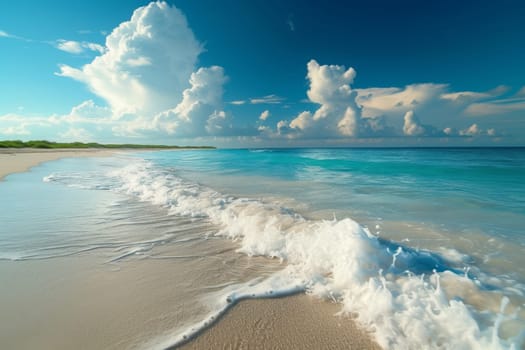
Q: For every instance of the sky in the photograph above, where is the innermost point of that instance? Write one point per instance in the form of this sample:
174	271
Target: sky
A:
271	73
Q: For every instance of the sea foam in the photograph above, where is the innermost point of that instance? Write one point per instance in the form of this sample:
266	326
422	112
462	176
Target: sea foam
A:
392	290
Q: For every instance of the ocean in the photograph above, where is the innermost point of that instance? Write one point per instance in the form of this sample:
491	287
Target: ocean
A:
422	247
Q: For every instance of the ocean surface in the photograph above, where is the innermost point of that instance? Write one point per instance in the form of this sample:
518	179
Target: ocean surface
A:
423	247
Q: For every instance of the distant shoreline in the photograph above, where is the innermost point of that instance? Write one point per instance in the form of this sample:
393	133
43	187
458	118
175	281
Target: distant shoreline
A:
44	144
19	160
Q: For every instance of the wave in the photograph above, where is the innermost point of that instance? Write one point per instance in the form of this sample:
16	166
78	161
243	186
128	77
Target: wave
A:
407	298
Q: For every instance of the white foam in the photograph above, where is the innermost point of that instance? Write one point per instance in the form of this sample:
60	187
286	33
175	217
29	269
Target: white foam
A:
393	290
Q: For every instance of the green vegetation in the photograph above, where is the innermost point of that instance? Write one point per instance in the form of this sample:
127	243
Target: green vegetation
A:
63	145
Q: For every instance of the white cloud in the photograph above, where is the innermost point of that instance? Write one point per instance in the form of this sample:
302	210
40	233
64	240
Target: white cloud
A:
94	47
200	111
329	83
147	62
206	89
86	115
76	134
70	46
497	107
472	130
302	121
20	129
147	76
77	47
283	128
89	110
219	123
465	96
412	125
237	102
380	101
339	114
345	112
139	61
268	99
4	34
264	115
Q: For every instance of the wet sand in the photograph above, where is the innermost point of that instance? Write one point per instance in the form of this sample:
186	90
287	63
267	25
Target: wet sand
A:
295	322
79	303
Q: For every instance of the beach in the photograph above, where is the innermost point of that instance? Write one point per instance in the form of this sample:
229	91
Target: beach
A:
94	300
19	160
294	322
286	249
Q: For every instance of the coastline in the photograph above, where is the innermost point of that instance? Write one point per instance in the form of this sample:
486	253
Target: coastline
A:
19	160
293	322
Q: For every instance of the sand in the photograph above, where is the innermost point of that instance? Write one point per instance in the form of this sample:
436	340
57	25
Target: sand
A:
21	160
82	303
294	322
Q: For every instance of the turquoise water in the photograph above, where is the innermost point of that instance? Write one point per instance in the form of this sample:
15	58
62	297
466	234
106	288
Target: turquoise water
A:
423	246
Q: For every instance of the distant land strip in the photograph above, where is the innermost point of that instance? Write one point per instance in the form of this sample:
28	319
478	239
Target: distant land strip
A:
65	145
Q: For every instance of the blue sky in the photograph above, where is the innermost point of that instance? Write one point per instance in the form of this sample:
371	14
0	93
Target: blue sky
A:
264	73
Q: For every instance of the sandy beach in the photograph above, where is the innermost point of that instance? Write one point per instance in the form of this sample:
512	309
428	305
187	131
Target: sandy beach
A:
21	160
294	322
84	303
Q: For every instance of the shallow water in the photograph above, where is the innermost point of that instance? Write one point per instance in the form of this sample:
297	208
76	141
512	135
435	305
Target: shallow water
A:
423	246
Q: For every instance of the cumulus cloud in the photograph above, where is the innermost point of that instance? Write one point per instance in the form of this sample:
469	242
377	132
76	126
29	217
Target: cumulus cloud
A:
148	76
206	90
89	110
264	115
146	64
302	121
81	123
475	130
338	115
77	47
345	112
413	127
200	111
471	131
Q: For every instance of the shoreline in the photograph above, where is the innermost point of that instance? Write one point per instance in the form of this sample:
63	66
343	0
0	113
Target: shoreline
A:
20	160
292	322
